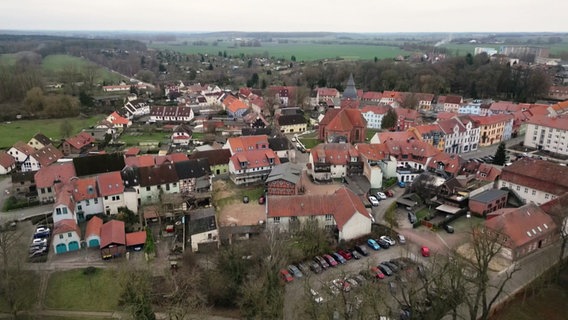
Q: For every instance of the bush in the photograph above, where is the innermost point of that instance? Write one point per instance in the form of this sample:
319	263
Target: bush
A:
89	271
14	203
389	182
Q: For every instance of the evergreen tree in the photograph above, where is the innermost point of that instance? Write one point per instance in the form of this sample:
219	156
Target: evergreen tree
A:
389	120
500	155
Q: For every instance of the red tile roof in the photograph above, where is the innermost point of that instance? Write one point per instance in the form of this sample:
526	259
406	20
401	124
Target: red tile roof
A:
140	161
110	183
94	227
523	224
559	122
328	92
245	143
66	225
353	104
135	238
113	232
372	95
452	162
346	120
493	119
6	160
373	151
46	176
117	119
80	140
396	136
131	152
427	129
254	159
85	188
504	106
450	99
487	172
406	114
47	155
333	153
537	174
375	109
233	104
445	115
24	148
448	125
342	204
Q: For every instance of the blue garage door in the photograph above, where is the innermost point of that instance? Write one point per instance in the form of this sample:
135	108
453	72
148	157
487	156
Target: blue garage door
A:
94	243
73	245
61	248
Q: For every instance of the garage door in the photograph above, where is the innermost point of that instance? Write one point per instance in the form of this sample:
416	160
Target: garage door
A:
93	243
73	245
61	248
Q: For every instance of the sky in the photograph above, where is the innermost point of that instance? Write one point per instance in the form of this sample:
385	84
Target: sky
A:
366	16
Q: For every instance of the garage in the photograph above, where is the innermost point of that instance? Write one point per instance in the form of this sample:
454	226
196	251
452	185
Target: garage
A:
61	248
73	245
94	243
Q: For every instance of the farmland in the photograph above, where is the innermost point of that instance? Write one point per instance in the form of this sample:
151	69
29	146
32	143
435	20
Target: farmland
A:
56	63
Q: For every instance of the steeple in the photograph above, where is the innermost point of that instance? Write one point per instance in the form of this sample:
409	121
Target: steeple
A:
350	92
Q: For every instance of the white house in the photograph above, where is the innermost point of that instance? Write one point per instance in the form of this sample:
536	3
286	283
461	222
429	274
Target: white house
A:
20	152
93	232
7	163
374	115
460	136
66	236
64	207
548	133
252	166
334	160
156	180
41	158
180	138
88	202
470	108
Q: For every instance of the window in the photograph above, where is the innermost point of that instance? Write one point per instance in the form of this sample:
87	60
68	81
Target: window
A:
546	196
60	236
534	192
96	200
328	217
64	210
276	220
518	188
106	197
58	211
79	207
526	190
87	202
69	235
148	188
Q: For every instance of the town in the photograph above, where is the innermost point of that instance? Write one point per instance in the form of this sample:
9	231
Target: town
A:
307	198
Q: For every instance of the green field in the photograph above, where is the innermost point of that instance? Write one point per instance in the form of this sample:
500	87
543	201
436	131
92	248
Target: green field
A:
133	139
8	59
56	63
302	51
24	130
72	290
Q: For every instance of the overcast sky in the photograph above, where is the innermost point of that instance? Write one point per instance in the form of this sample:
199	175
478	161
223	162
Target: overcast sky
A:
290	15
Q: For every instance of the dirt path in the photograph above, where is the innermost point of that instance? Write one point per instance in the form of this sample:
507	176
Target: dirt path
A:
43	280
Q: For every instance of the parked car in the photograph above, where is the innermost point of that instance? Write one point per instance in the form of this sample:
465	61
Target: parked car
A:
323	264
360	279
39	241
362	250
389	240
383	244
425	251
341	285
391	266
381	196
385	269
42	229
286	276
389	193
411	217
373	244
345	254
38	253
316	296
401	239
374	202
376	273
448	228
261	200
338	258
295	271
303	267
34	248
355	254
315	267
399	263
329	259
401	184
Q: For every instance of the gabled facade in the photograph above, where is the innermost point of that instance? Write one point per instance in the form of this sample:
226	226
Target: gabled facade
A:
460	135
252	166
79	144
194	176
375	160
112	192
334	160
374	115
493	129
284	180
291	123
157	180
41	158
218	160
87	200
64	206
20	152
7	163
246	143
171	114
66	236
235	108
39	141
48	177
346	124
406	118
93	232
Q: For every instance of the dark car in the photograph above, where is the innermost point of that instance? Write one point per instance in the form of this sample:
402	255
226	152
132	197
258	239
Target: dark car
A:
411	217
448	228
261	200
303	267
345	254
323	264
385	269
339	258
245	199
356	255
315	267
362	250
399	263
383	243
391	266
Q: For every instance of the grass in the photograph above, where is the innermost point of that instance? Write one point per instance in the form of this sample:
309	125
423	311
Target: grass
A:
370	133
549	304
31	287
302	51
24	130
232	193
72	290
133	140
8	59
310	142
56	63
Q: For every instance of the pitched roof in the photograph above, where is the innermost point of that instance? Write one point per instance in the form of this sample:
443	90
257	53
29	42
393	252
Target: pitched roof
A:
233	104
135	238
254	159
342	204
334	153
557	208
406	114
327	92
504	106
215	157
537	174
559	122
396	136
373	152
381	109
85	188
352	104
42	138
372	95
279	144
23	148
522	224
117	119
6	160
245	143
47	155
113	232
133	151
194	168
145	160
288	171
94	227
452	162
66	225
80	140
492	119
46	176
448	125
287	120
346	120
156	175
110	183
487	172
489	196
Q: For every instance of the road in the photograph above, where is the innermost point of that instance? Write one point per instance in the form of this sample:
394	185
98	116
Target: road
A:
20	214
490	150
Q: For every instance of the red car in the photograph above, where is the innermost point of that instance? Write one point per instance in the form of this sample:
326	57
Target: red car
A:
425	251
376	272
389	193
345	254
286	276
329	259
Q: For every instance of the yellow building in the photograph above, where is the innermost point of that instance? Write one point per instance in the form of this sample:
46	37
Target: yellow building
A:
431	134
493	129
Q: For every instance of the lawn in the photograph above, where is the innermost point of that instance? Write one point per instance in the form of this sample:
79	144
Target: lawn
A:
8	59
302	51
134	138
24	130
370	133
73	290
227	192
56	63
310	142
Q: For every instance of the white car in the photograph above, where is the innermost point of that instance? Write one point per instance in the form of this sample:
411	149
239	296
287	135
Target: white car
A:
374	202
381	196
401	239
316	296
388	239
41	241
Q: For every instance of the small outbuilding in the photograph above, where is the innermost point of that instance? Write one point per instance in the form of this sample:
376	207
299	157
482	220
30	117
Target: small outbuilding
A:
93	232
113	239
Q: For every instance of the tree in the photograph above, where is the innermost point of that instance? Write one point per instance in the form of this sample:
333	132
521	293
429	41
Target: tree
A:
34	101
293	58
66	129
390	216
187	301
136	292
389	120
500	154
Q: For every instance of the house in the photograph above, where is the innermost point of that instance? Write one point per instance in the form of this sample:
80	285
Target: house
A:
375	162
535	181
522	231
135	108
39	141
424	101
285	179
461	135
487	172
156	180
504	107
252	166
406	118
87	200
450	103
113	239
291	123
146	160
342	212
372	96
347	125
181	138
93	232
20	151
194	176
374	115
7	163
392	98
81	143
135	240
235	108
47	177
493	129
488	201
281	146
470	108
445	165
171	114
548	133
556	208
66	236
323	94
118	122
334	160
202	229
246	143
41	158
64	206
113	193
218	159
23	183
432	134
